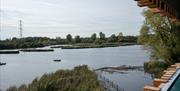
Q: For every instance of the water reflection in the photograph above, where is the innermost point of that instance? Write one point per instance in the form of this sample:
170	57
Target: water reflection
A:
124	80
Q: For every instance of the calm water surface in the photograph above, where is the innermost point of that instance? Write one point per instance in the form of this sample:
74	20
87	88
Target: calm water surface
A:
24	67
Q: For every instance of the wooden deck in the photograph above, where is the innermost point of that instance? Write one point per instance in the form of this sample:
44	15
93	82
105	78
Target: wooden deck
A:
158	84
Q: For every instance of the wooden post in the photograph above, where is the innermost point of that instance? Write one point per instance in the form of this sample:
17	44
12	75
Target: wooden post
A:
157	82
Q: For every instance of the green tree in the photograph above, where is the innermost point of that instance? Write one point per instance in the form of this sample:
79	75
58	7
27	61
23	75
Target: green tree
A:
93	36
77	39
112	38
102	36
69	38
161	36
120	37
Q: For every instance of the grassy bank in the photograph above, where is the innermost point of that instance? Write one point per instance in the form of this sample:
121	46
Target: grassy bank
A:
78	79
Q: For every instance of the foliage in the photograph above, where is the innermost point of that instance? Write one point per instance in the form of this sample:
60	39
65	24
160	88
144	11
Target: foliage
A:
112	38
161	36
93	36
99	41
78	79
120	37
86	40
77	39
102	36
69	38
155	67
131	39
59	40
24	42
33	42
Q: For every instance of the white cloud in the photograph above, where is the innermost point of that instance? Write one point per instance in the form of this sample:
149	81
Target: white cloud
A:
71	16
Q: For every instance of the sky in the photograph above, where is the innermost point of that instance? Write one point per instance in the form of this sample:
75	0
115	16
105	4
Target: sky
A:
57	18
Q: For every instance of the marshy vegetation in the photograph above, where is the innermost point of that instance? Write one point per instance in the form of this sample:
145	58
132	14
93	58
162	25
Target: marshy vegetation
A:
78	79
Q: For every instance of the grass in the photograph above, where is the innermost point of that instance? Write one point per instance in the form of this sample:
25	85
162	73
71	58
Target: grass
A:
78	79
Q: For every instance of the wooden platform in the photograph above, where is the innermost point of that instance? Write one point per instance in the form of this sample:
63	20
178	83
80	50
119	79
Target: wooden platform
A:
159	83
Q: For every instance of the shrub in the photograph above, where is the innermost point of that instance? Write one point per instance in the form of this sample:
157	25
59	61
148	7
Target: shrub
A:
155	67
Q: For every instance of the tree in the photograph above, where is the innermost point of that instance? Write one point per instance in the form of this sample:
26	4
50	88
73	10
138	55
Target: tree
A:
120	37
161	36
93	36
102	36
59	40
112	38
77	39
69	38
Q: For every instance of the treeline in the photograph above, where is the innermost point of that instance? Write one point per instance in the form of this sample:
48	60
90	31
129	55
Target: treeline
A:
101	38
29	42
32	42
78	79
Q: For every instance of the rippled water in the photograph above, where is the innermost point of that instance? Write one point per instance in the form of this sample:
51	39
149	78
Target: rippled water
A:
24	67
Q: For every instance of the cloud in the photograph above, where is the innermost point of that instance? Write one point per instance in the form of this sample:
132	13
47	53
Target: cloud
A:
72	16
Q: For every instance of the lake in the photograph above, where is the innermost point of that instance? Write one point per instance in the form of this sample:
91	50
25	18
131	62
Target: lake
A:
24	67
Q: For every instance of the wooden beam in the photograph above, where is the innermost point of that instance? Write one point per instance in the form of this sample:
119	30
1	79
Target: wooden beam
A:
144	1
161	7
153	6
157	82
156	10
145	4
150	88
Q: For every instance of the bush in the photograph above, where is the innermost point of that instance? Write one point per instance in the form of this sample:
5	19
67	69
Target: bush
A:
155	67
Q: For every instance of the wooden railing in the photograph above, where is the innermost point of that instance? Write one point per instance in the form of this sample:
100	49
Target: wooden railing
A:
158	6
159	83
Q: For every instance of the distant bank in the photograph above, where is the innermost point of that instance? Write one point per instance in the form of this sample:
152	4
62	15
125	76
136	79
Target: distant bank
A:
93	41
74	46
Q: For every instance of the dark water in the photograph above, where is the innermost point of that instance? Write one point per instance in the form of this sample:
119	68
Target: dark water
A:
24	67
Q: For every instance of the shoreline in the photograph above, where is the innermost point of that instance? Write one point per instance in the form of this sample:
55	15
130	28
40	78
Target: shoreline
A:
74	46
